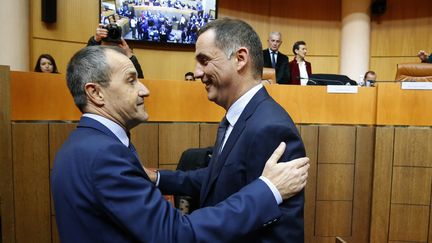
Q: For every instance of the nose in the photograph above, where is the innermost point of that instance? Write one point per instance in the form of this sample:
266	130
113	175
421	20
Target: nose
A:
144	91
198	73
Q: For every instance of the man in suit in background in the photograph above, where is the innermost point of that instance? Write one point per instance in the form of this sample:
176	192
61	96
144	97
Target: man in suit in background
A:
229	63
273	58
100	189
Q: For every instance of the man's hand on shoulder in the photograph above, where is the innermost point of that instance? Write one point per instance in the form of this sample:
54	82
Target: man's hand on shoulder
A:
289	178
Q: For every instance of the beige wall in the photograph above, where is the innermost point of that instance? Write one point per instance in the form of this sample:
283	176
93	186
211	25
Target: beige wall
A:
14	29
396	37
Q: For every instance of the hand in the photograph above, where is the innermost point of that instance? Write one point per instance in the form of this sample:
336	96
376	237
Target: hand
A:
290	177
125	47
152	174
422	55
101	33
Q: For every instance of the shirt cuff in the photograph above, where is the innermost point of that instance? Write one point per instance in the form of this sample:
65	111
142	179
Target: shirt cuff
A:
273	188
157	178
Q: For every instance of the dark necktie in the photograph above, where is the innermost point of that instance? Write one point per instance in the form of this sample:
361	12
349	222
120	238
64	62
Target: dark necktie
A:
223	125
131	146
273	59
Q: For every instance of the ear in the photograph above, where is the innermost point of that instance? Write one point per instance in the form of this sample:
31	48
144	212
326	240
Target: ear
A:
242	57
94	94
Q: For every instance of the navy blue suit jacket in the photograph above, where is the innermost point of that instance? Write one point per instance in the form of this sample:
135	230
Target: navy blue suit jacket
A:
102	194
261	127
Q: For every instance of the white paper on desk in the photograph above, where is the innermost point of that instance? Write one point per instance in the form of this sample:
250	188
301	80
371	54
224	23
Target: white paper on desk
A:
342	89
416	85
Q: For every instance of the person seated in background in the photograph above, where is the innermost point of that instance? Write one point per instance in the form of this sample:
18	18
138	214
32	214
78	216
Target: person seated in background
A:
189	76
369	79
424	56
46	64
102	33
301	69
273	58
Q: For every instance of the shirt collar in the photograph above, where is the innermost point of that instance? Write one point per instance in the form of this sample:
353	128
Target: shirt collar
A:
239	105
271	51
112	126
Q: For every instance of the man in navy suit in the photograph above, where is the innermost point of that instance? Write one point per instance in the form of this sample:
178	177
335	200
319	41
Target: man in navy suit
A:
101	191
229	63
273	58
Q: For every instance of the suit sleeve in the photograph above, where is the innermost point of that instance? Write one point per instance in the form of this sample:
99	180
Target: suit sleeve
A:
182	182
291	225
133	203
283	72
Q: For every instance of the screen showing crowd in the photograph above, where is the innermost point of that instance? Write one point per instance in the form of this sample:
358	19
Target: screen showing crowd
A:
164	21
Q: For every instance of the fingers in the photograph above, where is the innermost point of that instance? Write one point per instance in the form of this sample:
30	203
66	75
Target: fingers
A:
300	162
274	158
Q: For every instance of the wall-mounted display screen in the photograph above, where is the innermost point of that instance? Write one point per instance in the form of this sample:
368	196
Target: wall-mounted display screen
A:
159	21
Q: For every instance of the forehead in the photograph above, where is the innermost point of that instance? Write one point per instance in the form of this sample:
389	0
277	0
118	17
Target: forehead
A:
205	45
302	46
275	37
43	59
118	61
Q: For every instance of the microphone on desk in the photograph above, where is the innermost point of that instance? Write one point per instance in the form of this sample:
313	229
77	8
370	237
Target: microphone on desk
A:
318	81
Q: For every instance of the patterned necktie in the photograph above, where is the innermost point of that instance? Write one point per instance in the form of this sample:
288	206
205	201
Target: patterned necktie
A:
273	59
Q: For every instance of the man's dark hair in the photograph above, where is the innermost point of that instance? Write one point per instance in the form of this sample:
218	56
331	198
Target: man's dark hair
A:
190	74
366	74
296	46
232	34
88	65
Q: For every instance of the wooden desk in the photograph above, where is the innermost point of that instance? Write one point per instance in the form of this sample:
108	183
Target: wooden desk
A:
403	107
38	96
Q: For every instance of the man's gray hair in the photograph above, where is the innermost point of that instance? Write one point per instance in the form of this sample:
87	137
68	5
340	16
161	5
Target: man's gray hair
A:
231	34
88	65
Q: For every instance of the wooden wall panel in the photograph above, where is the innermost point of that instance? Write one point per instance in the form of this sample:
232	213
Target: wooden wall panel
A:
76	21
165	64
333	218
401	16
176	138
7	207
382	184
413	147
363	177
58	133
208	133
411	185
319	26
336	144
145	138
54	230
335	182
309	136
60	50
409	223
31	182
386	67
255	12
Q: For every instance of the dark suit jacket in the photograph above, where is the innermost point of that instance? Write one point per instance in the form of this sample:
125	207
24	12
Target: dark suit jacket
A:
295	71
261	127
282	66
102	194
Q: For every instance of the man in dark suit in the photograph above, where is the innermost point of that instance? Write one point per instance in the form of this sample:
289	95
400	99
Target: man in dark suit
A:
229	63
273	58
101	191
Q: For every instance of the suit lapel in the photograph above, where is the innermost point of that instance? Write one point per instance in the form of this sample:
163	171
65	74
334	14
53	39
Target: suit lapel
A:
216	166
93	124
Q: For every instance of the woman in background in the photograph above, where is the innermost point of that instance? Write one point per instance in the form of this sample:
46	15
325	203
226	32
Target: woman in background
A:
46	64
